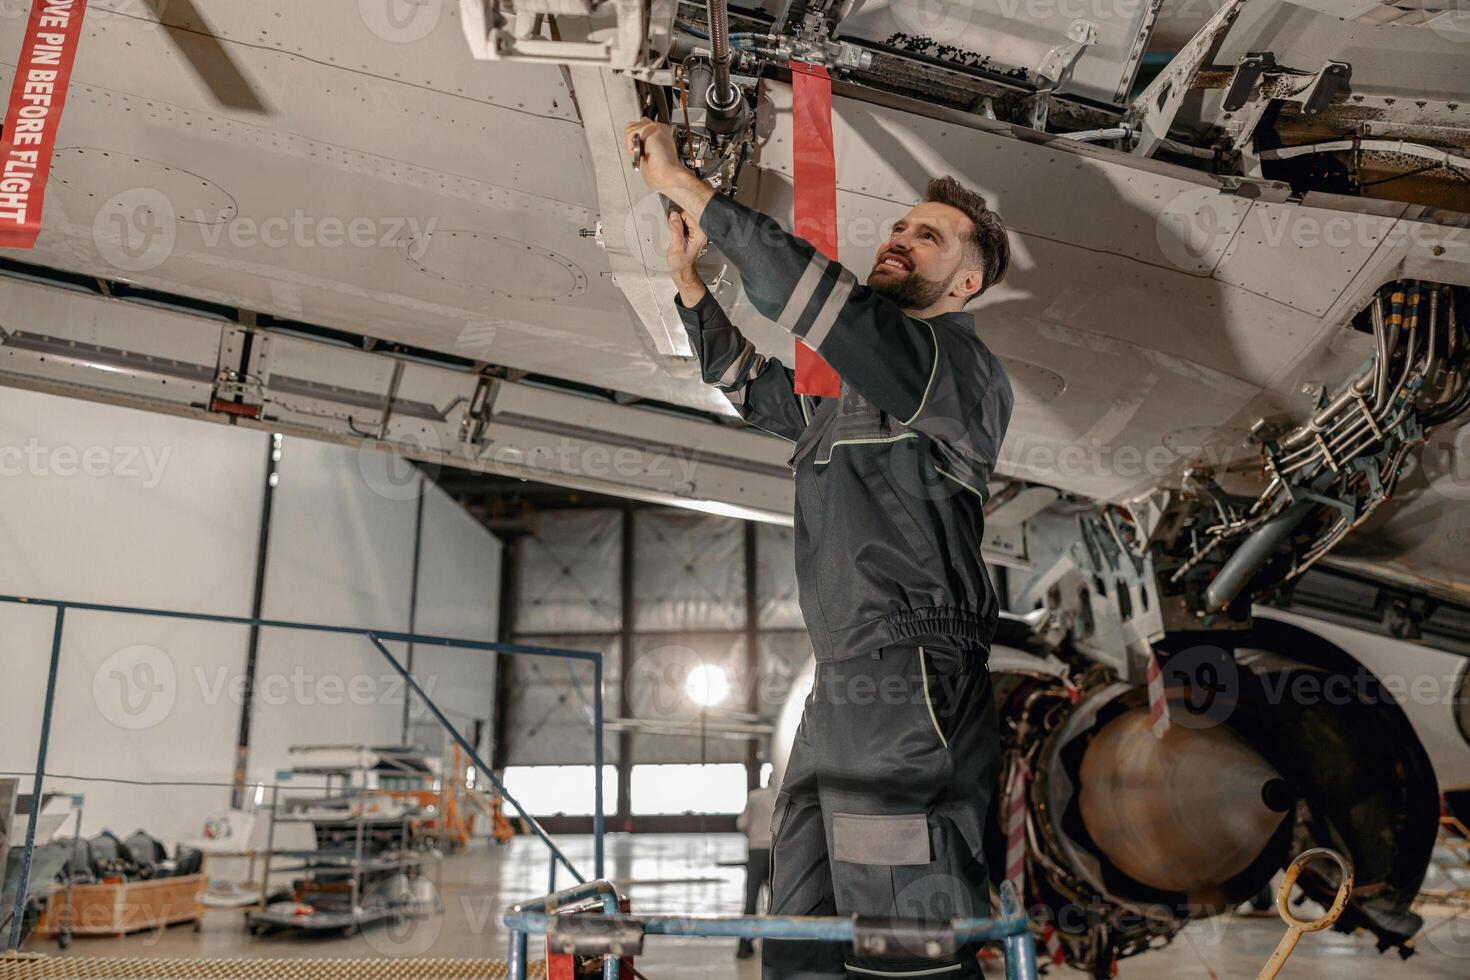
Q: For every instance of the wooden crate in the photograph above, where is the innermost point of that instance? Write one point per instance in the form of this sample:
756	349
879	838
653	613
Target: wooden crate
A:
117	908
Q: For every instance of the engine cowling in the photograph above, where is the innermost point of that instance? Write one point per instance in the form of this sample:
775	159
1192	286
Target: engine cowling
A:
1130	836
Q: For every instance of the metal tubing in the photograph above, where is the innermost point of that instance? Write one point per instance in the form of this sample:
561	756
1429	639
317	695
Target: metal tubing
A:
597	888
719	46
388	635
611	905
1252	554
475	757
817	928
516	956
1431	356
1020	957
1359	386
599	819
1020	947
24	882
537	915
1380	337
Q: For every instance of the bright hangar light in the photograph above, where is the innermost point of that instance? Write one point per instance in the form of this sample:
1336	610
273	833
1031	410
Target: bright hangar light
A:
707	685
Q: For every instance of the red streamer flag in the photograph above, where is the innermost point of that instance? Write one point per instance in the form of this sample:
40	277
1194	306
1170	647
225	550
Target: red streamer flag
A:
815	178
37	96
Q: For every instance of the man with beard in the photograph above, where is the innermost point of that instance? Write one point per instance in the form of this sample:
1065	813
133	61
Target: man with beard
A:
885	797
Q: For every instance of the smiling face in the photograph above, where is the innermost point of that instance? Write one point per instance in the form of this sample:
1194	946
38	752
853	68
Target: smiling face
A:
927	258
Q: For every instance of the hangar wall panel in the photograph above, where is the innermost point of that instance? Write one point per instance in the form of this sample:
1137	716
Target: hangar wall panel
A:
549	717
688	571
775	578
458	595
106	504
689	607
571	573
341	551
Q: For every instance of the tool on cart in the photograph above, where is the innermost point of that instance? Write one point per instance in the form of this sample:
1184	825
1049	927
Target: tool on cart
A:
1294	926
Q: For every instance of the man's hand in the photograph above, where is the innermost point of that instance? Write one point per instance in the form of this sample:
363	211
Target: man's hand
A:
686	240
662	169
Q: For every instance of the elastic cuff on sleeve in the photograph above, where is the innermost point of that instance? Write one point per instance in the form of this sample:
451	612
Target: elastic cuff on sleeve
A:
703	311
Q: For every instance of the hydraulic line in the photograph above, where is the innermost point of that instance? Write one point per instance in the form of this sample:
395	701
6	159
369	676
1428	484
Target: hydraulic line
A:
721	92
1366	416
1380	336
1253	553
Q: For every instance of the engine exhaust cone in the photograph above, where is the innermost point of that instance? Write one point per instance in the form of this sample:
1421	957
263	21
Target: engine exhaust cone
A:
1185	813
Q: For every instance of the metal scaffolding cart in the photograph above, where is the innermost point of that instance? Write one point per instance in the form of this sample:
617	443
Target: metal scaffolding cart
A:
364	867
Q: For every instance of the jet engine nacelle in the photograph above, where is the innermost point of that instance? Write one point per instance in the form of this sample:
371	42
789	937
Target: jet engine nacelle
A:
1279	743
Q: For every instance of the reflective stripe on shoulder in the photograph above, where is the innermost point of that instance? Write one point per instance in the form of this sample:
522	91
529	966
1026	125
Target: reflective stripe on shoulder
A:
802	294
830	311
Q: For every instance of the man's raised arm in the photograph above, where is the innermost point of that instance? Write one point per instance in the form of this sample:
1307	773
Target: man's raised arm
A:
760	388
889	357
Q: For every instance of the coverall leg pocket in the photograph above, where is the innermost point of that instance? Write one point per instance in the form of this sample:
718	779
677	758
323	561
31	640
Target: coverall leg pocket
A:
913	867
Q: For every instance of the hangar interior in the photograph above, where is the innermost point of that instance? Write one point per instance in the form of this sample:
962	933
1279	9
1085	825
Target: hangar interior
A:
391	584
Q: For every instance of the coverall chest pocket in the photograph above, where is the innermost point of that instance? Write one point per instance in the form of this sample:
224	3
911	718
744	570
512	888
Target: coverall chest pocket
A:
857	424
879	469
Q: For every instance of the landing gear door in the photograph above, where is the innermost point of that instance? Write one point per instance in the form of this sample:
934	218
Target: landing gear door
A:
1088	51
617	34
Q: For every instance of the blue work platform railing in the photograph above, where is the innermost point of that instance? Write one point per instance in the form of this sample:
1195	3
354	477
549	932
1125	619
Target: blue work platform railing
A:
612	935
377	638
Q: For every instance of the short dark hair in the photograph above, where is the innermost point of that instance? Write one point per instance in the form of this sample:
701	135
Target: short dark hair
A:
990	247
